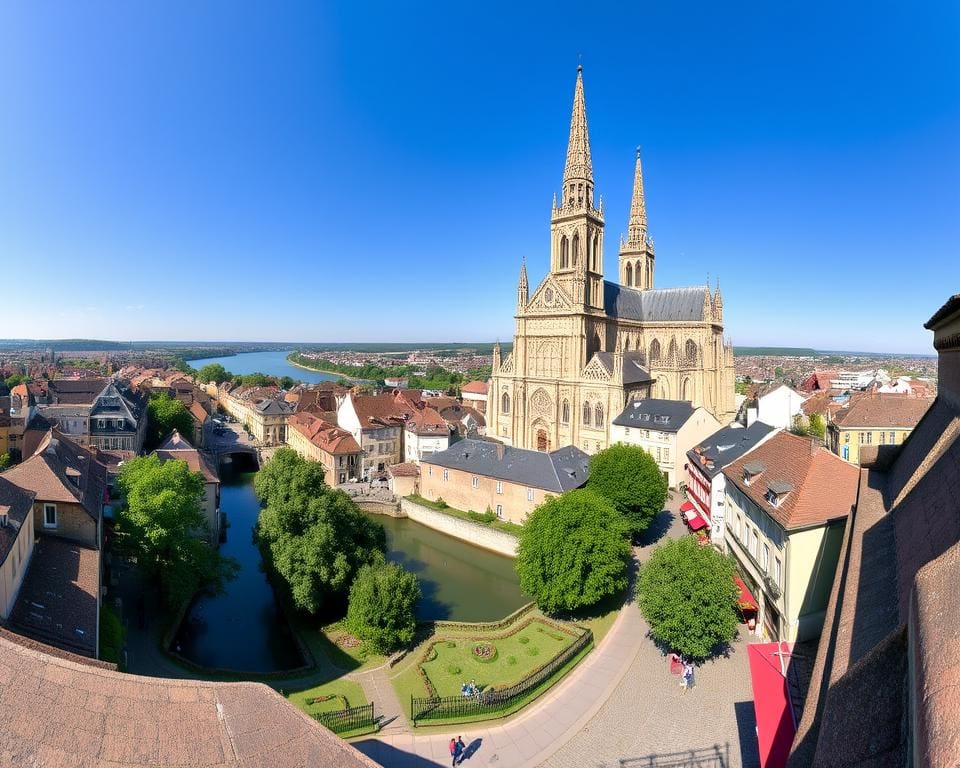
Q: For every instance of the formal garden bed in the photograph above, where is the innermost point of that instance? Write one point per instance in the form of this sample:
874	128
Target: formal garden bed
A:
332	697
488	661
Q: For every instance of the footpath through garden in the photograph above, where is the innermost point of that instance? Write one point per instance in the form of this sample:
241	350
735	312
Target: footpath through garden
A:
619	707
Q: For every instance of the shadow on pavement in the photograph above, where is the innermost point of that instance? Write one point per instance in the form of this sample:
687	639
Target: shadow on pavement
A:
706	757
388	755
747	731
657	529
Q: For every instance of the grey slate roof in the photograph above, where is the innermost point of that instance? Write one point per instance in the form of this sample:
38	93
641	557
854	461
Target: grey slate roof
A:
18	505
656	304
558	471
633	370
651	413
727	445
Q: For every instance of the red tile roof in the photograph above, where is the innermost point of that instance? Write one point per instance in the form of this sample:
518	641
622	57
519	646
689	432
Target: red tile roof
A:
328	437
809	470
178	448
883	410
475	388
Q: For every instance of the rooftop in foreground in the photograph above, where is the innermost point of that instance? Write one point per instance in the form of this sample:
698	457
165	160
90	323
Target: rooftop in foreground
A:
57	712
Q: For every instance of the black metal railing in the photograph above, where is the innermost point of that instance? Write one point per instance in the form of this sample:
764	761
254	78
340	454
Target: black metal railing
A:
349	719
494	699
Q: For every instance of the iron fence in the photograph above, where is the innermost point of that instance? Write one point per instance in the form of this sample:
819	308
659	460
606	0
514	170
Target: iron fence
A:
349	719
492	700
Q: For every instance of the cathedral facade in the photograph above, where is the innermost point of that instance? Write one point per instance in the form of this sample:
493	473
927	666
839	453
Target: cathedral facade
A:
584	347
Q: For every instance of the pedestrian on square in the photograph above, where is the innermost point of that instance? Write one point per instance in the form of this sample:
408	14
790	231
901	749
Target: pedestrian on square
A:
457	750
453	751
461	748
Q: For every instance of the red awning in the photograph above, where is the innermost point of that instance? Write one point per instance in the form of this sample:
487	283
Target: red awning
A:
686	507
771	702
697	522
745	599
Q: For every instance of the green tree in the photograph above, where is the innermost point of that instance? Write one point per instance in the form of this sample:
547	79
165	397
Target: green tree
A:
5	461
213	372
314	537
286	382
630	479
16	378
573	551
164	415
687	595
380	612
817	426
160	522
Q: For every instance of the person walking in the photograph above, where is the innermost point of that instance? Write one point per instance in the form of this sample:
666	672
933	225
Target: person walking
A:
461	748
453	751
457	750
687	676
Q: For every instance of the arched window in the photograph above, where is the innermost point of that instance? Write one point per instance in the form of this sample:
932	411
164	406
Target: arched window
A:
596	250
640	283
672	352
626	344
686	390
598	414
655	351
629	276
564	255
565	412
586	414
690	351
505	403
576	248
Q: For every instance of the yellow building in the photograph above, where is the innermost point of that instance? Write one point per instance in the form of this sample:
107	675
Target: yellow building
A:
4	434
874	419
787	503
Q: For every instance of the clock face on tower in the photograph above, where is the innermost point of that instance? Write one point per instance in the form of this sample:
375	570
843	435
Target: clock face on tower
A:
548	296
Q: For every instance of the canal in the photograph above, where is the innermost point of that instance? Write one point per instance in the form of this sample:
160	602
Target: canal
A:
459	582
242	629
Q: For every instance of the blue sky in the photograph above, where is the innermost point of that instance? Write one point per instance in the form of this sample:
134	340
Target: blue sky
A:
365	172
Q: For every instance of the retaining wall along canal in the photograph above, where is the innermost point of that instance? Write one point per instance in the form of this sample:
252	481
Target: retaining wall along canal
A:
479	535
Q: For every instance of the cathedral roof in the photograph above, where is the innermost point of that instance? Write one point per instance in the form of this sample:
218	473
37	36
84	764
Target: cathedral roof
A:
656	304
633	369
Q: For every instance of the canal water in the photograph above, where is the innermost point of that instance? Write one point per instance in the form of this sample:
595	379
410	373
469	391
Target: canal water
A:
459	582
273	363
242	629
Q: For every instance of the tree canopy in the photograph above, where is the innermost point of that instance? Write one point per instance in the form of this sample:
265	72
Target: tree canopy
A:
213	372
166	414
629	478
687	595
573	551
314	536
381	608
161	522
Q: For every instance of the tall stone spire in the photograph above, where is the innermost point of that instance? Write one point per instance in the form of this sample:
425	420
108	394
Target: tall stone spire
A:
579	167
523	288
637	226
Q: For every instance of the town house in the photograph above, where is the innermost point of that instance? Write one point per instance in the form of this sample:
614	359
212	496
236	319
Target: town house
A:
334	448
16	541
176	448
874	419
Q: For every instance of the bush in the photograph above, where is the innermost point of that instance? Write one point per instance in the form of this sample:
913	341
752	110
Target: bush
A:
453	669
629	478
573	551
482	517
687	595
380	611
511	661
441	503
112	635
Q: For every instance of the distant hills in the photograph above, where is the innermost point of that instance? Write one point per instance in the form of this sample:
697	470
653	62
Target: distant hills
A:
227	347
808	352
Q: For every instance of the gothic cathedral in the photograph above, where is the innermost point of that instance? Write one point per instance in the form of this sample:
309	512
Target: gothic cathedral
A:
584	347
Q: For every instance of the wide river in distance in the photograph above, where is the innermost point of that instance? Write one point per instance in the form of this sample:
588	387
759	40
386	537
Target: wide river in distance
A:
273	363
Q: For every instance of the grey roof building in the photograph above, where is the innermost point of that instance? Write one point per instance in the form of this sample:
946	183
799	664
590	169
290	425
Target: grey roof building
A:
726	446
561	470
656	304
650	413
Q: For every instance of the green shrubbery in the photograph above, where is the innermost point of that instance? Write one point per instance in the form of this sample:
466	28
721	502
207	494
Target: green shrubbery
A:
382	601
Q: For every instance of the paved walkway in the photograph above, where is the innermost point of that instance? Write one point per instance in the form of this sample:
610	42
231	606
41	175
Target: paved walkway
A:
619	708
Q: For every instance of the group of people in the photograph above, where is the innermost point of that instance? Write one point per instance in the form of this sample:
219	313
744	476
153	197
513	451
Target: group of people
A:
686	677
457	750
470	689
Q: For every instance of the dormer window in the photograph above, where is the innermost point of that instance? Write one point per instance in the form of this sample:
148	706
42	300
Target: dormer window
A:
751	469
777	491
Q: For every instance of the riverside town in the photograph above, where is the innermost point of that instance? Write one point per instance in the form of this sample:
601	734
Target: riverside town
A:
659	513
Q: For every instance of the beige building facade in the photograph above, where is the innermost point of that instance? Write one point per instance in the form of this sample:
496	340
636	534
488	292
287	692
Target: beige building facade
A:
583	346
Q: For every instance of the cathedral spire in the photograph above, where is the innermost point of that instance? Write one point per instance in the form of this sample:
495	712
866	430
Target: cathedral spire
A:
578	169
523	290
637	226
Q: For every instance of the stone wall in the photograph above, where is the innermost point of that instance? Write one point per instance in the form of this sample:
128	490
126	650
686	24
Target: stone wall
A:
474	533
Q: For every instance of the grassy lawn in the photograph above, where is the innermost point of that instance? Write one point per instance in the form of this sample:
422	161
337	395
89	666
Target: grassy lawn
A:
345	692
331	657
500	525
599	617
451	661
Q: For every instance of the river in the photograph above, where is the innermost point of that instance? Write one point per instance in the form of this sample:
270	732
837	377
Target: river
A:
272	363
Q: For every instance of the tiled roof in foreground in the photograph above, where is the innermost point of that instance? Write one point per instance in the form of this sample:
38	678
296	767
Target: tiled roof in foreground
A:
60	713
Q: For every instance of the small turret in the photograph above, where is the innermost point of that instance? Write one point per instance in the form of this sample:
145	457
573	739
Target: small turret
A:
496	356
717	304
523	288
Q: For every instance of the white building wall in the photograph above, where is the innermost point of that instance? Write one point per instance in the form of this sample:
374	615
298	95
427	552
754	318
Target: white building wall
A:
778	408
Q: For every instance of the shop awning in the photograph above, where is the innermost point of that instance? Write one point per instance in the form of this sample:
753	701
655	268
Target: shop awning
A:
771	701
697	522
745	599
686	507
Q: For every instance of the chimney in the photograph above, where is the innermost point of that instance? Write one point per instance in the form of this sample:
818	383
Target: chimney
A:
499	451
4	516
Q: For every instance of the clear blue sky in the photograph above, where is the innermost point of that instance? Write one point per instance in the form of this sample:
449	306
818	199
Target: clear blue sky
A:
359	172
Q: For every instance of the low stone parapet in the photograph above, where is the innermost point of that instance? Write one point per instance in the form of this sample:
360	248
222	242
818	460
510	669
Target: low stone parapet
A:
479	535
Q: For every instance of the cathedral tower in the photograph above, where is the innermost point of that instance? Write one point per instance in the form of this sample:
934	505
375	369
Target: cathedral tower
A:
636	252
576	225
